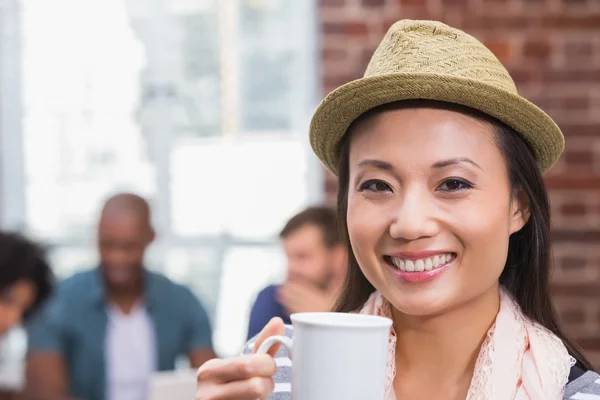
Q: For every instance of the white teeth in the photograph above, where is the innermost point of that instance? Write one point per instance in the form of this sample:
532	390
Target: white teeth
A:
428	264
424	264
419	266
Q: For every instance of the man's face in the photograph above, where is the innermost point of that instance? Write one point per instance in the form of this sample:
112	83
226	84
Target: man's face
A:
122	242
308	257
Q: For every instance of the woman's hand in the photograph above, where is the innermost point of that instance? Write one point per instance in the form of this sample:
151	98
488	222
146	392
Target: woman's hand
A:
239	378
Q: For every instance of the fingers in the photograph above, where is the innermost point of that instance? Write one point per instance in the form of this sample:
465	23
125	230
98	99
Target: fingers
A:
239	378
249	389
238	368
275	327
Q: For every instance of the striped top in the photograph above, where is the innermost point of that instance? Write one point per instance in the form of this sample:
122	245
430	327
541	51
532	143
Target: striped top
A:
585	387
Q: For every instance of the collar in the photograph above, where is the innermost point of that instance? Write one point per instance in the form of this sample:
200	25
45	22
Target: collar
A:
149	297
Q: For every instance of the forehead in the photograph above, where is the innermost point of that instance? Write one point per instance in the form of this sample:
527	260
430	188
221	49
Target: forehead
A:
124	226
308	233
414	136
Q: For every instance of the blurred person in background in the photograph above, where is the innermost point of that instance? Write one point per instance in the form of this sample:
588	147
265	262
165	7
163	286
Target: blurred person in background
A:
26	281
316	261
108	329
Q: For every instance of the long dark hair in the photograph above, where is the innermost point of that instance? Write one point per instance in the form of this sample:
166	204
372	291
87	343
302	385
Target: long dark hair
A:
22	259
526	274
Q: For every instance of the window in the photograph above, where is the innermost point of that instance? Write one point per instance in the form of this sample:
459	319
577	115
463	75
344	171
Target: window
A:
202	106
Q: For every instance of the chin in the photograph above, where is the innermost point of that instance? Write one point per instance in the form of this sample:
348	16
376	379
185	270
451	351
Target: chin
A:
417	304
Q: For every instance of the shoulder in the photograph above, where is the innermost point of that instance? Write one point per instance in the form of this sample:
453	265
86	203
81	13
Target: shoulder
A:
586	386
283	376
162	287
160	283
265	300
70	298
80	286
269	291
267	295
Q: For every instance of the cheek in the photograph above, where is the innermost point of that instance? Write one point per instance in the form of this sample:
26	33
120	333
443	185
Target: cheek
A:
484	232
366	226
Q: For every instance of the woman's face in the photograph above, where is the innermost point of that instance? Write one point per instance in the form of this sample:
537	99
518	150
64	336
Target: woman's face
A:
430	208
15	300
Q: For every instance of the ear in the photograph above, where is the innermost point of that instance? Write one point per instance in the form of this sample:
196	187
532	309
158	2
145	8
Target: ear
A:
151	235
520	211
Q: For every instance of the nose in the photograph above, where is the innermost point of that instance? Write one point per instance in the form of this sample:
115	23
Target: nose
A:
414	217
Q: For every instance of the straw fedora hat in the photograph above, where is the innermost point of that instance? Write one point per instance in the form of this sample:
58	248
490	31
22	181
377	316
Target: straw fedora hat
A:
430	60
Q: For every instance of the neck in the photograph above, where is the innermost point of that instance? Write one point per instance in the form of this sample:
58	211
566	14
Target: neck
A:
447	345
125	297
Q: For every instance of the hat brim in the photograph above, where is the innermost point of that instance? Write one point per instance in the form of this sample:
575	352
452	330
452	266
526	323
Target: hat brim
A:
346	103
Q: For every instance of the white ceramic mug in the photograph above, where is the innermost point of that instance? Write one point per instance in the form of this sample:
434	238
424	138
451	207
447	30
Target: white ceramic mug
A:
336	356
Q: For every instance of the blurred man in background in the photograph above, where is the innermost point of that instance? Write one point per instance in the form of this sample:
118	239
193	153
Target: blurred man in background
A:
108	329
316	265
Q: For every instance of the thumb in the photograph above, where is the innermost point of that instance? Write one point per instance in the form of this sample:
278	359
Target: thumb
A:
275	327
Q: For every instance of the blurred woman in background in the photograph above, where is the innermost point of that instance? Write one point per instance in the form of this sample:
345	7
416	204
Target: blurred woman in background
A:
26	279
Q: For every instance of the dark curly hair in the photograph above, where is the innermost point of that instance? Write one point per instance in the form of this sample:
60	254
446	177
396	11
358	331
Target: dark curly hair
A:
22	259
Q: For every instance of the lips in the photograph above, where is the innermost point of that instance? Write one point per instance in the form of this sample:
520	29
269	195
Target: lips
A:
419	267
420	264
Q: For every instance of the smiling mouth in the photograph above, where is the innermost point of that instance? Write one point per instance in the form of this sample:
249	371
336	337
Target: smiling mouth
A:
422	264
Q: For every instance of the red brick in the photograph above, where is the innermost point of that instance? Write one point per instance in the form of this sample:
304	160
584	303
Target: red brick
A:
331	53
334	27
577	209
578	47
569	4
586	130
357	28
501	49
574	316
570	21
522	74
537	49
575	235
494	23
580	158
583	291
460	4
590	343
373	3
573	263
403	3
589	74
331	3
574	182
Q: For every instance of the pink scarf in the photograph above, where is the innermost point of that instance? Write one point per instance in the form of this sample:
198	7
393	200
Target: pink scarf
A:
519	359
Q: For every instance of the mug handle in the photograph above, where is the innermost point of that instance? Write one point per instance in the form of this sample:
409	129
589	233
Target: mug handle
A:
270	341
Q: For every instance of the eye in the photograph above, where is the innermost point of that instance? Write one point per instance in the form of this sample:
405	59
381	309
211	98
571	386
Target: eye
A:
375	185
455	185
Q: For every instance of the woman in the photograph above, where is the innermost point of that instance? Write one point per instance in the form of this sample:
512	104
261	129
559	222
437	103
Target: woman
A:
25	279
441	195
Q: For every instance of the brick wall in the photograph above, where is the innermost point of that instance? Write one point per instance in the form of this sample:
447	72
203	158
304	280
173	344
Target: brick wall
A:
552	49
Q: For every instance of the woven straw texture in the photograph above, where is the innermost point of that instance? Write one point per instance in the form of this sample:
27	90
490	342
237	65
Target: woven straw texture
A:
430	60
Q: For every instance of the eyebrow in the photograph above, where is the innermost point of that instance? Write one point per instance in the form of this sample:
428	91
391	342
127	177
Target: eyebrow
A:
438	165
454	161
376	163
